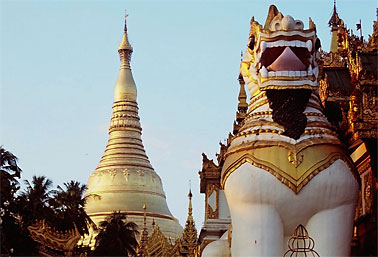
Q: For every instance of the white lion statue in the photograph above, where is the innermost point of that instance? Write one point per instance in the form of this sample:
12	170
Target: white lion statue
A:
286	166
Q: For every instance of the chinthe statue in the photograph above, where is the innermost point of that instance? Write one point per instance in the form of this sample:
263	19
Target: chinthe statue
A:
286	165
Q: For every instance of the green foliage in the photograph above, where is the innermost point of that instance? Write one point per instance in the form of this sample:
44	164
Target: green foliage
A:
14	239
33	201
68	205
62	209
116	237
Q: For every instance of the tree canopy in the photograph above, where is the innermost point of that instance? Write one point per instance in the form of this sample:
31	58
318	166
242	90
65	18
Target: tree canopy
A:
117	237
61	208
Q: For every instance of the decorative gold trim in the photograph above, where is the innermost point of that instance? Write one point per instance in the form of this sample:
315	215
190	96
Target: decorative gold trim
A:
64	241
257	105
136	213
286	38
253	106
260	95
314	159
129	191
276	87
258	123
298	147
287	78
269	113
316	106
280	132
210	212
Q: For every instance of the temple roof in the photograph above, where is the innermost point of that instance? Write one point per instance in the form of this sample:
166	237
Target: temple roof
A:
369	62
335	19
338	80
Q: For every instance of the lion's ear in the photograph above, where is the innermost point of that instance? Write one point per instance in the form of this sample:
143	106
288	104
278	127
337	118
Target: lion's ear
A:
273	12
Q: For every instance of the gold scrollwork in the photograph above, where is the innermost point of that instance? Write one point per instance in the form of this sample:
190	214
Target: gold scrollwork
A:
295	159
210	212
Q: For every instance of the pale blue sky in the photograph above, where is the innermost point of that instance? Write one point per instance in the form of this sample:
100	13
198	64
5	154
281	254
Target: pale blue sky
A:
59	63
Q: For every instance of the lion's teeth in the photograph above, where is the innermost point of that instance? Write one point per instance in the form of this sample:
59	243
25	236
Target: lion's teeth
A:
309	70
280	43
309	45
264	72
263	46
258	57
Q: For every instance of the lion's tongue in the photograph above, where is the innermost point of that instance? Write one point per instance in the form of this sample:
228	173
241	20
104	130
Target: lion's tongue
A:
287	61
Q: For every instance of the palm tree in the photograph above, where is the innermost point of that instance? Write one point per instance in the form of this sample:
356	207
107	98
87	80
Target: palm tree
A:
9	184
9	227
116	237
33	201
68	205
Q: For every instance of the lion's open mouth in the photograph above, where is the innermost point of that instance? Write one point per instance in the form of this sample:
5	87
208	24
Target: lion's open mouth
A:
286	58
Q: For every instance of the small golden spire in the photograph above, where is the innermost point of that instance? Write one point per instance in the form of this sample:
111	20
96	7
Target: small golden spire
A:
142	249
125	45
144	215
153	222
189	237
334	23
190	208
335	20
125	88
242	106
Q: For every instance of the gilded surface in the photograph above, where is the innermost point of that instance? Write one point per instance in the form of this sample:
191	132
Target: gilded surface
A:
159	245
124	178
53	239
260	140
293	167
212	212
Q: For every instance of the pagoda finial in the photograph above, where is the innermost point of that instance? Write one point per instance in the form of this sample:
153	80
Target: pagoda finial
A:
125	88
125	45
144	215
335	20
125	28
190	195
142	249
242	106
189	237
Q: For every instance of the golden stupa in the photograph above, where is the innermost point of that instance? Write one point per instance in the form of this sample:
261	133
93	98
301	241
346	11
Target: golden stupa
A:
124	179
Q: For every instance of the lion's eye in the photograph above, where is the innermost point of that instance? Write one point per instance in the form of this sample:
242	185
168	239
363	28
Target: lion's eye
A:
251	42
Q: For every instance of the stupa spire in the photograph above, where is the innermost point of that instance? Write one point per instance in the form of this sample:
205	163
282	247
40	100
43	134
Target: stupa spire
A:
334	22
142	249
124	177
190	208
125	88
242	106
189	237
335	19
